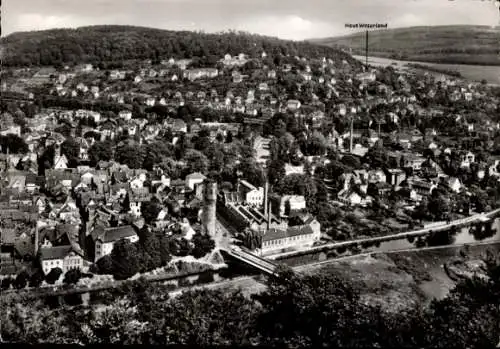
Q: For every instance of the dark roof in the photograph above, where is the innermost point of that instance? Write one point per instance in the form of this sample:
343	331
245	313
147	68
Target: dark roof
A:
8	236
117	233
55	252
275	234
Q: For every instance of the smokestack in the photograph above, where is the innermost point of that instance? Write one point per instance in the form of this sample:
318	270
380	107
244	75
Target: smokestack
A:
351	134
266	193
36	240
366	50
269	217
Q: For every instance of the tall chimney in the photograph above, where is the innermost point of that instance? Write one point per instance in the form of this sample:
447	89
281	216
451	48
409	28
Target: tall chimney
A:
269	217
266	193
366	50
351	134
36	240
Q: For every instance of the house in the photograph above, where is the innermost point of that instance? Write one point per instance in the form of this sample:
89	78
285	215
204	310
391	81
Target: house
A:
353	198
117	75
454	184
64	257
135	198
105	239
34	183
293	105
237	78
60	161
413	161
251	195
193	74
422	188
395	176
193	179
291	203
467	159
125	115
376	176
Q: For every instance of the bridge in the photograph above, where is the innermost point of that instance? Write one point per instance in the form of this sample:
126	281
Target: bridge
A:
246	256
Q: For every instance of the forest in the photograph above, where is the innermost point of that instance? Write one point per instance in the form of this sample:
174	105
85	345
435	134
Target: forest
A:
97	44
320	310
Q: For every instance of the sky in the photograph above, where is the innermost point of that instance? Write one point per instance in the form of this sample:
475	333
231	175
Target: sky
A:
287	19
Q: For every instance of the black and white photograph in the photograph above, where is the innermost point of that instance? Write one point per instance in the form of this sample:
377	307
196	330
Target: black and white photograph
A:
259	173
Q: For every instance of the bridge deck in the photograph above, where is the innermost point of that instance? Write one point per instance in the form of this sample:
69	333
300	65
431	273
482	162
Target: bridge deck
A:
258	262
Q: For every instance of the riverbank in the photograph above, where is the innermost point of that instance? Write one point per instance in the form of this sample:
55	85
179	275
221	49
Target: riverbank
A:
400	279
375	244
475	73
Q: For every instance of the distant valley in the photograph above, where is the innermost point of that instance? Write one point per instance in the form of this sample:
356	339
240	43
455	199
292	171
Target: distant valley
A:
461	44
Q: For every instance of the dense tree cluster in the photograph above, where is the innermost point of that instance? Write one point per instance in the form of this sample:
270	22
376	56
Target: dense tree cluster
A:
115	44
296	310
153	250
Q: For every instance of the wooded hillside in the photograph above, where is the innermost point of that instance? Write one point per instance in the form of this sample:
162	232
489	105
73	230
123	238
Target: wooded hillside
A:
117	43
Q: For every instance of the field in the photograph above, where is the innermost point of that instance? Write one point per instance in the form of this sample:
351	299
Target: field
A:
398	280
479	45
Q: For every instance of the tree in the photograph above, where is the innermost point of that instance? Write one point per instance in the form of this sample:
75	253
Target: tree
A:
105	265
150	210
14	144
203	244
297	184
180	247
149	249
71	150
155	153
36	279
316	144
21	280
125	260
53	275
252	172
196	161
377	157
275	171
6	283
207	318
131	155
165	255
251	239
100	151
351	161
72	276
439	206
318	310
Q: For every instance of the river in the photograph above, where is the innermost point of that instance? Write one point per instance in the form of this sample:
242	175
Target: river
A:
465	235
469	72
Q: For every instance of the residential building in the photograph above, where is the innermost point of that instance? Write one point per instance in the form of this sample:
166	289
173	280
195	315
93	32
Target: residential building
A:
64	257
193	179
251	195
105	239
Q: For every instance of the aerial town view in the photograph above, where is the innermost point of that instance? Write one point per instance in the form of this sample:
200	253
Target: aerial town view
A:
226	173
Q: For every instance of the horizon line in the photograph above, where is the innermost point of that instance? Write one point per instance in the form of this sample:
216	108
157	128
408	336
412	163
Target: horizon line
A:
227	30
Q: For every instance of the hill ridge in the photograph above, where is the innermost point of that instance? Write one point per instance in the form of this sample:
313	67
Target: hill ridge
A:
122	42
452	44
